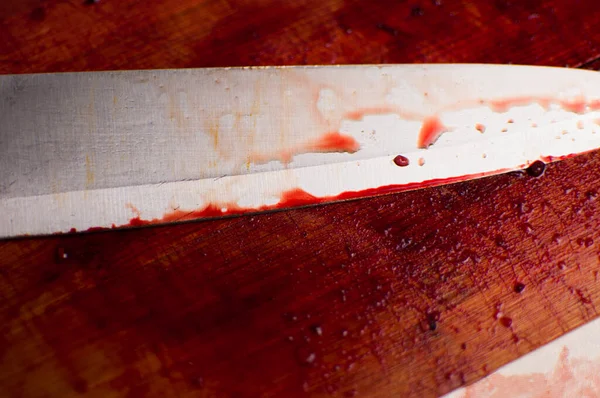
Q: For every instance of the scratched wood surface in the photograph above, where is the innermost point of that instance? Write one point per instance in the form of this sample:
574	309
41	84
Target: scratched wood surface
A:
409	294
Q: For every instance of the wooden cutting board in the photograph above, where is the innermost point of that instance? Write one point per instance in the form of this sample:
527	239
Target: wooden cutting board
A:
409	294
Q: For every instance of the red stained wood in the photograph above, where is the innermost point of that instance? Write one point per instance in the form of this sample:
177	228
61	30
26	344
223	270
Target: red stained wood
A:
396	295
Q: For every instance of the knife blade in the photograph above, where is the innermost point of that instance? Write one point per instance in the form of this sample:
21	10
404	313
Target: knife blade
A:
100	150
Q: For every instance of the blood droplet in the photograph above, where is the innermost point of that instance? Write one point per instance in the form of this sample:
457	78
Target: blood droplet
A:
401	161
536	169
505	321
519	287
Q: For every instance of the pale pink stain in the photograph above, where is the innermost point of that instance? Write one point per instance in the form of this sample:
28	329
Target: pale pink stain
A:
576	377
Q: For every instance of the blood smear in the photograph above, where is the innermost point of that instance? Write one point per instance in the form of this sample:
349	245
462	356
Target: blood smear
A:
431	130
360	114
577	105
504	105
335	142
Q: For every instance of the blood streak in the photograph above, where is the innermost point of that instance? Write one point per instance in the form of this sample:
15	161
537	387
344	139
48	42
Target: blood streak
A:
294	198
289	199
96	229
361	113
134	209
594	105
328	142
431	130
300	197
503	105
550	159
577	105
209	211
335	142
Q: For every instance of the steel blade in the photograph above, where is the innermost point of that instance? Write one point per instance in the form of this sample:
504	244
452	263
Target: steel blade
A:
81	151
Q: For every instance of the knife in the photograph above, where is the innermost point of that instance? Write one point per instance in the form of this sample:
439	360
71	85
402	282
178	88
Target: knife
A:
100	150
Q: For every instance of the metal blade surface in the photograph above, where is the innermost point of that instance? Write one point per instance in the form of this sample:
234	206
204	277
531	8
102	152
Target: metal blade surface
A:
81	151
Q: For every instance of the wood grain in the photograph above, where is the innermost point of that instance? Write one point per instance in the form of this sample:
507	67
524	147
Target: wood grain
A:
409	294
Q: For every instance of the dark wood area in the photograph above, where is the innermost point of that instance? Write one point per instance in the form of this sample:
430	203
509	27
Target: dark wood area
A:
410	294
